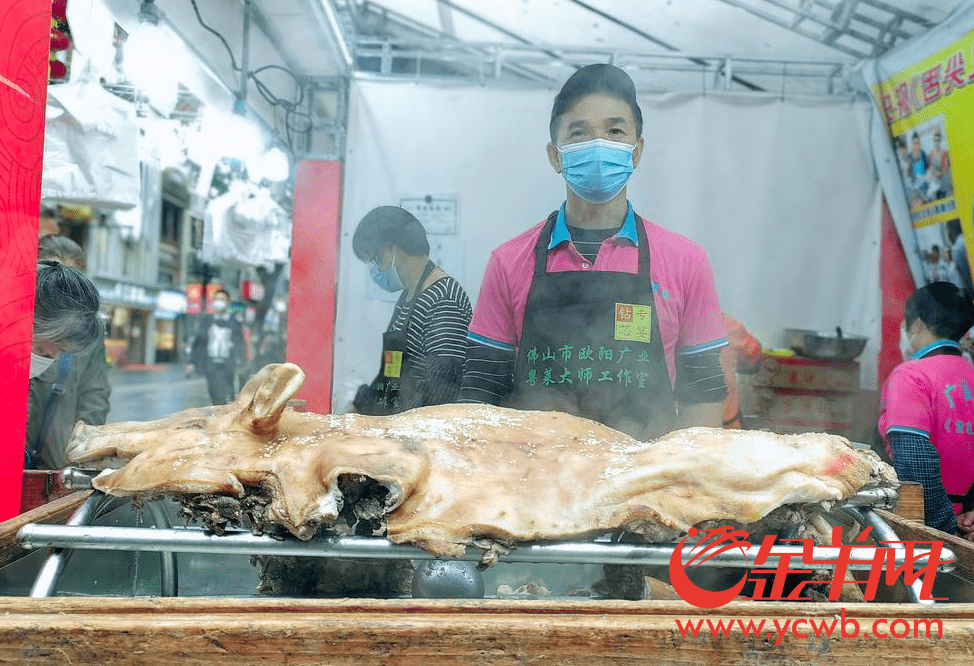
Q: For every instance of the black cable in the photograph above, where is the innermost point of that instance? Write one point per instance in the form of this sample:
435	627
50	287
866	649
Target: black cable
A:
233	61
287	71
290	107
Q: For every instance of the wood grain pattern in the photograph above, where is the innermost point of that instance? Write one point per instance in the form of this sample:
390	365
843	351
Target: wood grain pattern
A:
911	530
24	42
910	502
429	633
57	511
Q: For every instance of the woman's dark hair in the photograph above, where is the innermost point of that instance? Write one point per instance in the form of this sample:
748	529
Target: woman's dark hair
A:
389	225
944	309
601	79
55	247
65	307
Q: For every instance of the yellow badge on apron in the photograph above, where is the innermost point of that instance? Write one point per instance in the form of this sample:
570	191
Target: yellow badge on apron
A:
633	322
393	364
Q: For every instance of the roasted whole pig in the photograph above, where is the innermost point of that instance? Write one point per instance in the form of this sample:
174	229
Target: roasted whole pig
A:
446	477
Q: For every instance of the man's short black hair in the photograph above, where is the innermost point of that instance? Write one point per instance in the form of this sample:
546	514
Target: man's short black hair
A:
600	79
385	226
944	309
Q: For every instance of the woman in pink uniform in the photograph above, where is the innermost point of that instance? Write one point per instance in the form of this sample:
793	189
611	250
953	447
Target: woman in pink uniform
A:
927	408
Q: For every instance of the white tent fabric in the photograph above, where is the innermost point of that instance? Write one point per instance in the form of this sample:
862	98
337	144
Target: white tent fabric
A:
782	193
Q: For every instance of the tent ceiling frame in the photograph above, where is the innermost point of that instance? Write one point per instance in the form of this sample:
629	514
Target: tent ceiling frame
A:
426	31
864	34
429	52
483	61
653	39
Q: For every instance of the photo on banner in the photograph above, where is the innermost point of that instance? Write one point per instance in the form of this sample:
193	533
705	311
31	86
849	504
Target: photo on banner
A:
925	94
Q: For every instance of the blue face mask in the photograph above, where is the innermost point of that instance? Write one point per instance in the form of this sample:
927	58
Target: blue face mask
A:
387	279
596	170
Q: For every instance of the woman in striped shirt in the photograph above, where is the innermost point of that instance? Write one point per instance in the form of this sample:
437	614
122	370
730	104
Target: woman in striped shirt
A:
424	345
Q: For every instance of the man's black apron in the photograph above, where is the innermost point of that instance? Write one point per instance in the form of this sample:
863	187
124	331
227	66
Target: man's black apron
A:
591	346
395	373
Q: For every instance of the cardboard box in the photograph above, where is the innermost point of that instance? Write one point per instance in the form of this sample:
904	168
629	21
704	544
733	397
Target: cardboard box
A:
794	372
799	408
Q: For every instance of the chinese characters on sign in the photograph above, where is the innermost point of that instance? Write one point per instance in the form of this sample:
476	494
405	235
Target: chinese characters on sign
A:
384	400
904	97
586	366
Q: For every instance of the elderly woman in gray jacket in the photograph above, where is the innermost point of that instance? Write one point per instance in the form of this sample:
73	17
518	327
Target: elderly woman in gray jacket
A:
66	337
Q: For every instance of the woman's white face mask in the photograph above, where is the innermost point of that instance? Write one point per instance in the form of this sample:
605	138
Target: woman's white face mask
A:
38	364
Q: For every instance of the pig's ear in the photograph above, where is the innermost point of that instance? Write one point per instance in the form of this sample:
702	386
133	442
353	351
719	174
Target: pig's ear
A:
266	396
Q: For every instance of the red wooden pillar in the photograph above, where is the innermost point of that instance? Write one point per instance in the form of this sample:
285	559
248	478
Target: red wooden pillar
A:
315	229
896	285
25	27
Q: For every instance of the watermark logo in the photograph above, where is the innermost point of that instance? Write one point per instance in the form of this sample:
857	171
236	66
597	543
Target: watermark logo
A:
918	559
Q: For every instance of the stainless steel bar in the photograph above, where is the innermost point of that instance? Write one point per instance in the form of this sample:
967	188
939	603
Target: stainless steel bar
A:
196	540
50	573
878	498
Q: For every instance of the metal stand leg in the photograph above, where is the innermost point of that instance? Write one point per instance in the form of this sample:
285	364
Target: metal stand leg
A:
95	506
884	532
50	573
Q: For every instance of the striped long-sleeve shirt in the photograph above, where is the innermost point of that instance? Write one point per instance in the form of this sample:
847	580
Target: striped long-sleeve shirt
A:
436	341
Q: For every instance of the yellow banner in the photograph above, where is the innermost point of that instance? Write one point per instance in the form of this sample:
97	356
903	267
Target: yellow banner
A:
929	107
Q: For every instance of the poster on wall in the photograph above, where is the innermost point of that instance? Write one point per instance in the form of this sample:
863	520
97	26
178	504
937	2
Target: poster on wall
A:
440	218
437	213
925	92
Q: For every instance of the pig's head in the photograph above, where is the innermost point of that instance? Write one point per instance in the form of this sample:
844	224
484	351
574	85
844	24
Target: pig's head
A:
298	462
253	417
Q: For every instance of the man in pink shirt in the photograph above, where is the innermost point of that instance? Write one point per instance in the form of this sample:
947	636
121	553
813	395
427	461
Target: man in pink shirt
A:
927	407
595	311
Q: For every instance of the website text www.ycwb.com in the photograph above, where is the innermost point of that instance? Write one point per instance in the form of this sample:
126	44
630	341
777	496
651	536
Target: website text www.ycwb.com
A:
836	626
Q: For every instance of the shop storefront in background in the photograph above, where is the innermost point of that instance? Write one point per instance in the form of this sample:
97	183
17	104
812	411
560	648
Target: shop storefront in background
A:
170	319
129	322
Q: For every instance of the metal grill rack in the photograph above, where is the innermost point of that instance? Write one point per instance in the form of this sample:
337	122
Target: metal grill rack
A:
78	534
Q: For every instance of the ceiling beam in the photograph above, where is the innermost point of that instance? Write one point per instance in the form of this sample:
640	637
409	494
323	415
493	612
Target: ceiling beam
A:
793	26
446	19
837	20
520	70
656	40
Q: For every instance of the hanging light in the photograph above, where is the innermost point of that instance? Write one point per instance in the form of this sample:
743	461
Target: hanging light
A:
231	135
153	60
274	166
